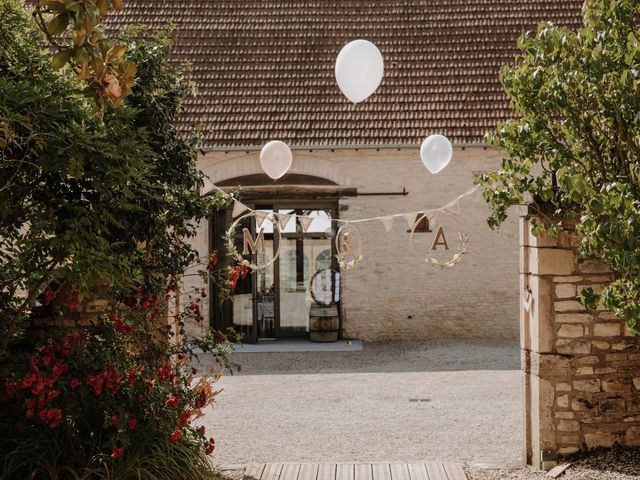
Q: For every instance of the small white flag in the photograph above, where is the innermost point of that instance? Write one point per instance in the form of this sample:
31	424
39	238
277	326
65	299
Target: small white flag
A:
305	222
283	219
238	208
387	222
410	218
260	218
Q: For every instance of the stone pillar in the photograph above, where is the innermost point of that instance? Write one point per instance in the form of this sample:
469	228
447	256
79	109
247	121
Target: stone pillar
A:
581	368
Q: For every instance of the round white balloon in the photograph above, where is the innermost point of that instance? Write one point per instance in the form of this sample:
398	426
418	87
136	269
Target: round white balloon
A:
276	159
436	152
359	69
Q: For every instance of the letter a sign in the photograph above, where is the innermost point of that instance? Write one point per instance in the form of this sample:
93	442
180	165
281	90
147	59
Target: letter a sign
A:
256	245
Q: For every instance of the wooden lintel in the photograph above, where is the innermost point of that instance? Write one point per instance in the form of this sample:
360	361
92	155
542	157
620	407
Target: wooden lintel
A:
295	192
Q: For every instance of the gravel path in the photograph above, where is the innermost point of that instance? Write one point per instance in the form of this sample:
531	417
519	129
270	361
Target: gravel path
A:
616	464
409	401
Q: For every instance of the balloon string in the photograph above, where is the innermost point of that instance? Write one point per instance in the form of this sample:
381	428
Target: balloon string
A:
449	205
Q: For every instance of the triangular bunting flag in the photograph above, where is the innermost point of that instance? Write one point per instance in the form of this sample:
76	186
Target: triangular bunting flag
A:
283	219
207	187
305	222
260	218
452	207
238	208
387	222
410	218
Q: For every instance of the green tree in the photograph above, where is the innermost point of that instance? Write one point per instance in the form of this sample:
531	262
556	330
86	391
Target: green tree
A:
575	141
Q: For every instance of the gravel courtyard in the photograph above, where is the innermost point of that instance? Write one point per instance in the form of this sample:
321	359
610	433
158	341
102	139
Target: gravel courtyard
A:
409	401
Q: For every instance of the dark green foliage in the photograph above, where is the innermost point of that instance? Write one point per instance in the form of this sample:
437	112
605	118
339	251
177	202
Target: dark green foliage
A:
575	142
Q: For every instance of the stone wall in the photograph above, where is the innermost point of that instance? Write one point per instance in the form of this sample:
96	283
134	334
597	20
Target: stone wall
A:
581	368
392	295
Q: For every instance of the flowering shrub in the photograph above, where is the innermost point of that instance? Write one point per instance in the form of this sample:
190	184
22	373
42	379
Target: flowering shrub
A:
104	387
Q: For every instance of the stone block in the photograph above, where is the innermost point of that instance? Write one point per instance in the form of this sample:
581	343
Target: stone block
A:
619	346
573	346
568	306
565	415
588	360
592	385
599	439
601	345
593	266
541	324
563	401
607	315
632	437
568	279
614	385
584	371
568	450
582	404
568	426
569	439
565	387
605	371
574	317
616	357
607	330
551	261
570	331
566	290
636	383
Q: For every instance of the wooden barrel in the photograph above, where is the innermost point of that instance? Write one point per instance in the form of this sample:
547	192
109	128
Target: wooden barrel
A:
323	323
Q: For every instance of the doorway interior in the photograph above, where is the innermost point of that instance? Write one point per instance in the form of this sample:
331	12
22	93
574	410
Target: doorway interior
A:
274	302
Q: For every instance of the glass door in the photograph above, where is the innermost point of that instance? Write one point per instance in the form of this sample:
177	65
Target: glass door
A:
274	302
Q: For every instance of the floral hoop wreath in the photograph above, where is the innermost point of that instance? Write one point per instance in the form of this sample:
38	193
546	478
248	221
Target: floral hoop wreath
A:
429	260
312	291
345	261
233	251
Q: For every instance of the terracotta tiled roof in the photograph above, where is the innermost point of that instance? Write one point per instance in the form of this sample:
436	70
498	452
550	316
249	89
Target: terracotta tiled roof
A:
265	69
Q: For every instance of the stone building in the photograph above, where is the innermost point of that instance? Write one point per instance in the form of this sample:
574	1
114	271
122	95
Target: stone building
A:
265	71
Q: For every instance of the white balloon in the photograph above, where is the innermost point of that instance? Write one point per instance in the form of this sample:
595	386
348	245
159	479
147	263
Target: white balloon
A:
436	152
276	159
359	69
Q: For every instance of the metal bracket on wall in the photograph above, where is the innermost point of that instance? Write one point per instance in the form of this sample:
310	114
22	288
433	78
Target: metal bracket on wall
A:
403	192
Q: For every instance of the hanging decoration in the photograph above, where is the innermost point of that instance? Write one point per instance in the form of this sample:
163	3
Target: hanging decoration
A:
348	246
387	222
276	159
250	245
359	70
436	152
348	240
439	243
305	222
283	220
238	208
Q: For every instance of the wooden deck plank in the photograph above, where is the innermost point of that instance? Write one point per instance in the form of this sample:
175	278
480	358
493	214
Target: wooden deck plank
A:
399	471
327	471
271	471
253	471
363	471
381	471
345	471
435	470
308	471
290	471
418	471
454	471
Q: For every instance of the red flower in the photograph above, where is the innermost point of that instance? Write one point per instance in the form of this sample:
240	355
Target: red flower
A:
213	261
95	382
175	436
173	402
115	420
75	383
49	295
51	416
209	446
184	417
73	302
117	452
201	430
165	372
132	423
122	328
131	377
